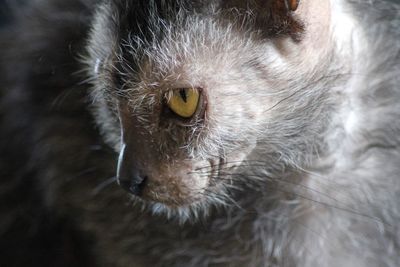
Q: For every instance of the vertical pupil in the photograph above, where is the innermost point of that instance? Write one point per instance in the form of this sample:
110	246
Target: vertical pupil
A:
183	95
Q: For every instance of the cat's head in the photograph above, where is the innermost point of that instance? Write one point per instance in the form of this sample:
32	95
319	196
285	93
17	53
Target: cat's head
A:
194	94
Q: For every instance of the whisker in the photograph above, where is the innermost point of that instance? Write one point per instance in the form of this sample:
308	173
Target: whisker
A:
103	185
328	205
82	173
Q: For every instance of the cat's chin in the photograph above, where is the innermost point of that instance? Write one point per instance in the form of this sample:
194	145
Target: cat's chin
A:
186	210
182	213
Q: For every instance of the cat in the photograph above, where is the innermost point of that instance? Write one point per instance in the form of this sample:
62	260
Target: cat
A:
200	133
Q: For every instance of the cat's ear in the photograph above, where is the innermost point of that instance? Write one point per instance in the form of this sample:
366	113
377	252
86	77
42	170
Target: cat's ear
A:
275	18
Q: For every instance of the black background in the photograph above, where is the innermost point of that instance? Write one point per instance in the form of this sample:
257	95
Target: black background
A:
5	9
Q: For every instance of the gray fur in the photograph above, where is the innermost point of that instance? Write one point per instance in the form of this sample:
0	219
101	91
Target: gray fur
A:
311	146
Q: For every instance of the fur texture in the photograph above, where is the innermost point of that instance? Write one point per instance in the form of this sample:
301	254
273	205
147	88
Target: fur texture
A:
301	120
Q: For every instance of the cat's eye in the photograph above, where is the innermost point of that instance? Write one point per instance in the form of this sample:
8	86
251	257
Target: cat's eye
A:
183	102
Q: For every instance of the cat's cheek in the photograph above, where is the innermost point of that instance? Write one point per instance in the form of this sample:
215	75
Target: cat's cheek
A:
177	185
239	157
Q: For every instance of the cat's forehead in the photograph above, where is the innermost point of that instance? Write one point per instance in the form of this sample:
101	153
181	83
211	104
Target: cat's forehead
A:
147	19
184	43
151	21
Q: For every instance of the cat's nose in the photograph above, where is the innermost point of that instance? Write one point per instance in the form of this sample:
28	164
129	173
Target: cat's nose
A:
129	176
133	183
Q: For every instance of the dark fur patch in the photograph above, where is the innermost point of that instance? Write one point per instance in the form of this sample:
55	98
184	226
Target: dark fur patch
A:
272	18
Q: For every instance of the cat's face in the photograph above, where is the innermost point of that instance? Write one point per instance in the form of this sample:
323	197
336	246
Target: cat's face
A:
186	96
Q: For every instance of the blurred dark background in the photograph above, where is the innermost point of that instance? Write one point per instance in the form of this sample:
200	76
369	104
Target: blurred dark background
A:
4	12
5	9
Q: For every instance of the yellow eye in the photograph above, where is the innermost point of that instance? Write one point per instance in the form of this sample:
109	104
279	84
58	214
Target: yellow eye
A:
183	102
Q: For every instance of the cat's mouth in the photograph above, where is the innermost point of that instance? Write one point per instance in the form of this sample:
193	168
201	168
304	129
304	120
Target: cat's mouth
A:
174	184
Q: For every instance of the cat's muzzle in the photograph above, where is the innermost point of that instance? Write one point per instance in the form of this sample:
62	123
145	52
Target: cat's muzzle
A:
173	183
